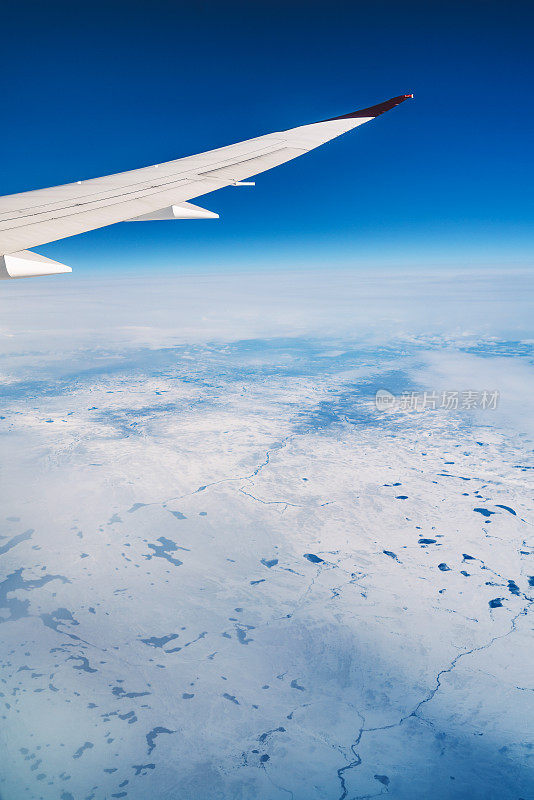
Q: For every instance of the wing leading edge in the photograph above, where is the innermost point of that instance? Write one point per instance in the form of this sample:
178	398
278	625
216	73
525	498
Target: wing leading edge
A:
34	218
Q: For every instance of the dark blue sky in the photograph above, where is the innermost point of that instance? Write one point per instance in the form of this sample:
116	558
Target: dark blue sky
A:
93	88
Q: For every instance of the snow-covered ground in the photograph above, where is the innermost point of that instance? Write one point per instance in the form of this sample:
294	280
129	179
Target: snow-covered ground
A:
226	574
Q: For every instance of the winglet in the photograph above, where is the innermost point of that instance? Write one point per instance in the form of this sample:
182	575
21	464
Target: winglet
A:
374	111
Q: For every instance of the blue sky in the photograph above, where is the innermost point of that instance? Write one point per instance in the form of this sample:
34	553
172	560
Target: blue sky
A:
90	89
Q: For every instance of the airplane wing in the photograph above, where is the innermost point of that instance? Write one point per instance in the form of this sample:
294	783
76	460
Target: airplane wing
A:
30	219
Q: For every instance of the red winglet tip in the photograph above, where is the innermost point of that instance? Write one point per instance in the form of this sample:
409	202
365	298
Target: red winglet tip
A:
374	111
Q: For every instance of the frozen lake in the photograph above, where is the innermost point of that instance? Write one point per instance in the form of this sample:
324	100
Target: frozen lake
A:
225	573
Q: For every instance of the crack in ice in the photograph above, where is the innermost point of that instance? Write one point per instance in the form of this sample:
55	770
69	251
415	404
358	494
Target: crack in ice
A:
414	714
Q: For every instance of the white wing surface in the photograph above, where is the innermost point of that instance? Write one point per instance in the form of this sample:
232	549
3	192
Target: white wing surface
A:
161	191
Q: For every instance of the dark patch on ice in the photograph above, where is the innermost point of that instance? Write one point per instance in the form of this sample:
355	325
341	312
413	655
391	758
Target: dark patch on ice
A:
84	665
531	580
295	685
496	602
242	635
466	557
350	405
187	644
484	511
269	563
427	541
61	616
513	588
313	558
81	750
231	697
506	508
382	779
119	691
19	608
401	497
153	735
443	567
391	554
160	641
255	583
164	549
177	514
22	537
265	735
142	769
136	507
187	696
